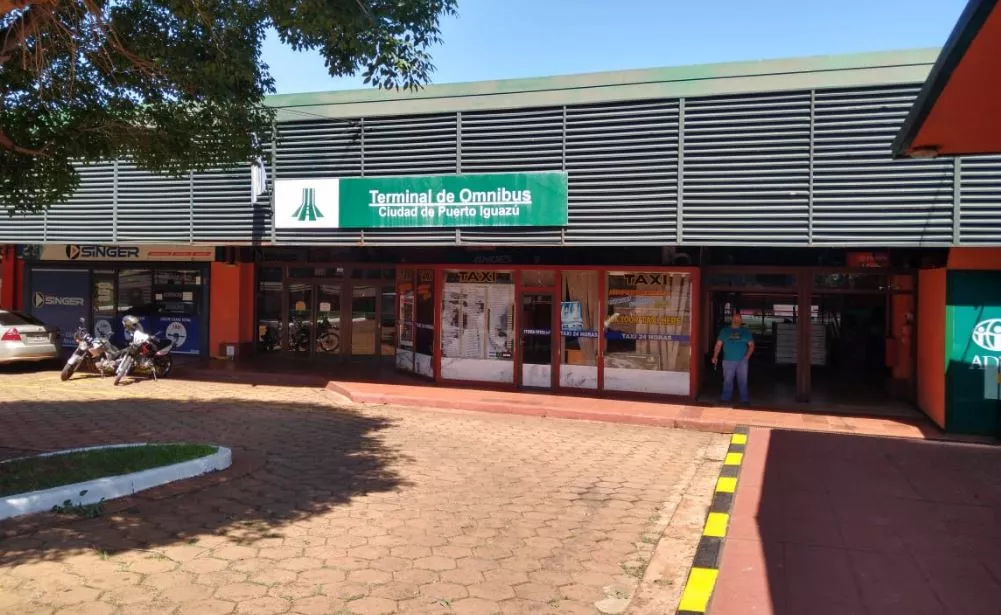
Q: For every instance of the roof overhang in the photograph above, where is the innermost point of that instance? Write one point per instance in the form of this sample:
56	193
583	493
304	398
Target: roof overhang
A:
958	111
729	79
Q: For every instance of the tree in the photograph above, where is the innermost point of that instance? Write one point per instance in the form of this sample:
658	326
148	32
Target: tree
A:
174	85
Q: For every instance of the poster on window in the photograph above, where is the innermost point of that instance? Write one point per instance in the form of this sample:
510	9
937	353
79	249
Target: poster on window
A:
60	298
424	308
647	332
183	331
477	326
572	316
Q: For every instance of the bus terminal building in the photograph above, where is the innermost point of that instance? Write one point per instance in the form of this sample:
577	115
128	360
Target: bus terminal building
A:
587	234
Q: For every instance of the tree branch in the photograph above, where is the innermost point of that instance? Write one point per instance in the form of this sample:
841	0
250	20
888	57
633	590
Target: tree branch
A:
14	36
8	144
8	6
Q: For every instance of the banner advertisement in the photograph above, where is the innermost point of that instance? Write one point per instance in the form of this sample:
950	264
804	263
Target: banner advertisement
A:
182	330
116	253
60	298
973	351
427	201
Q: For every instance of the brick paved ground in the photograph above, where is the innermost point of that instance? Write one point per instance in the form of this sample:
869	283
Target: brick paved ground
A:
335	509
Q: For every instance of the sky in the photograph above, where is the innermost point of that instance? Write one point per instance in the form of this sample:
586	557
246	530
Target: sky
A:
502	39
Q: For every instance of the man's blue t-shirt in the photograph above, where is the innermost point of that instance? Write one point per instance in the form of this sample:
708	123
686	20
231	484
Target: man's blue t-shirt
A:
735	342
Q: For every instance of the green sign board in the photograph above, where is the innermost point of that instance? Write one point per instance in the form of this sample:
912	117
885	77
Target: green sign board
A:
973	352
511	199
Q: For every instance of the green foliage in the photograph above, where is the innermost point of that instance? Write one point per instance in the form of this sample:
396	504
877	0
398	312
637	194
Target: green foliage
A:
174	85
84	511
35	473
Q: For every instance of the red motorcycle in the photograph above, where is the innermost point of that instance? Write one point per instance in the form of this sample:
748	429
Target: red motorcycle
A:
146	354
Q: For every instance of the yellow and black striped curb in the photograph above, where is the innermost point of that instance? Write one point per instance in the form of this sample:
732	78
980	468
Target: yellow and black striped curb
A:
705	567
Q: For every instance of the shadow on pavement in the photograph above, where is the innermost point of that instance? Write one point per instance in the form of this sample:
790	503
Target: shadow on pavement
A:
290	461
827	523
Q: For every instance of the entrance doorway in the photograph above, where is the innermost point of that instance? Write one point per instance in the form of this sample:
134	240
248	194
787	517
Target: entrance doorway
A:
838	339
537	348
328	313
314	319
866	360
771	318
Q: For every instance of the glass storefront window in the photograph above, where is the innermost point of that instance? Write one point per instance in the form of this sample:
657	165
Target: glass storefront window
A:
424	308
316	272
538	278
387	326
269	309
166	301
850	281
177	291
135	291
327	322
103	303
477	326
579	329
300	316
647	332
405	320
750	280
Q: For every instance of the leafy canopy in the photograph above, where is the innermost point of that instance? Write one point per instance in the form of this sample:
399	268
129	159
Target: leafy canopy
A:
174	85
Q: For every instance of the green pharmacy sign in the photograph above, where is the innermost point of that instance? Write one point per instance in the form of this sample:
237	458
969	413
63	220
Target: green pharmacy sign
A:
425	201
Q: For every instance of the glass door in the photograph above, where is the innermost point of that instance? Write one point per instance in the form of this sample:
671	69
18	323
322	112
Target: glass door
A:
580	324
365	321
328	320
387	322
537	340
300	316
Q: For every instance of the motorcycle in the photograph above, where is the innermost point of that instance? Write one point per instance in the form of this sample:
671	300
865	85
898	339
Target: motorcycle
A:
328	338
147	354
92	352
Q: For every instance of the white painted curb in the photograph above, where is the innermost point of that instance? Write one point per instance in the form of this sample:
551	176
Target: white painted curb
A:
110	487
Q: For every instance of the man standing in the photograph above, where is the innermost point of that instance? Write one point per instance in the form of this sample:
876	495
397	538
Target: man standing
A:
737	344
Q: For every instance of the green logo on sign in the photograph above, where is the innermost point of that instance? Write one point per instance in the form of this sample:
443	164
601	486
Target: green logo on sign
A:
308	211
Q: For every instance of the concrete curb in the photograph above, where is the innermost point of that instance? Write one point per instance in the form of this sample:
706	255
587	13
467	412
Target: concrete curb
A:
698	591
110	487
533	409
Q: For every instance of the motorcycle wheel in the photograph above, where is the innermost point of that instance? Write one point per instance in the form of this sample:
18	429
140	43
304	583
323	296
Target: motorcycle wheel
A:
68	371
123	369
330	342
163	366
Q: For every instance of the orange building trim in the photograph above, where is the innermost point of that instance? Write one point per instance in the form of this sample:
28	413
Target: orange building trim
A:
931	344
983	259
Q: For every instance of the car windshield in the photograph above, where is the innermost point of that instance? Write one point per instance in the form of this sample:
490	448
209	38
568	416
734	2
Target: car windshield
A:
12	319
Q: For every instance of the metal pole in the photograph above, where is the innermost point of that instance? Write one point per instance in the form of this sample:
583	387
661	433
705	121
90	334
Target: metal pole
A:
809	194
680	224
274	178
957	198
563	162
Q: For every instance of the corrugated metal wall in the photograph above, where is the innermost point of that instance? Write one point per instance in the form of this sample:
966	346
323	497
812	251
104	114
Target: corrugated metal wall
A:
787	168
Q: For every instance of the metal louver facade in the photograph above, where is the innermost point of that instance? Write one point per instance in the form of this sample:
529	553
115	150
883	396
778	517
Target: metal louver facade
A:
790	167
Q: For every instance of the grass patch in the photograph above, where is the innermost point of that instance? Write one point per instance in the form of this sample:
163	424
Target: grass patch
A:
37	473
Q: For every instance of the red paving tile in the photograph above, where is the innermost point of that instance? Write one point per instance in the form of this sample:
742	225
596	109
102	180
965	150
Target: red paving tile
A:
831	523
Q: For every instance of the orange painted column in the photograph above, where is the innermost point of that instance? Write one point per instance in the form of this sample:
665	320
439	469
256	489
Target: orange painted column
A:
930	369
232	308
11	279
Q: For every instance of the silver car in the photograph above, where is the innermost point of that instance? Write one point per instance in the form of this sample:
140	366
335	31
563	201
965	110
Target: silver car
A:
25	338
